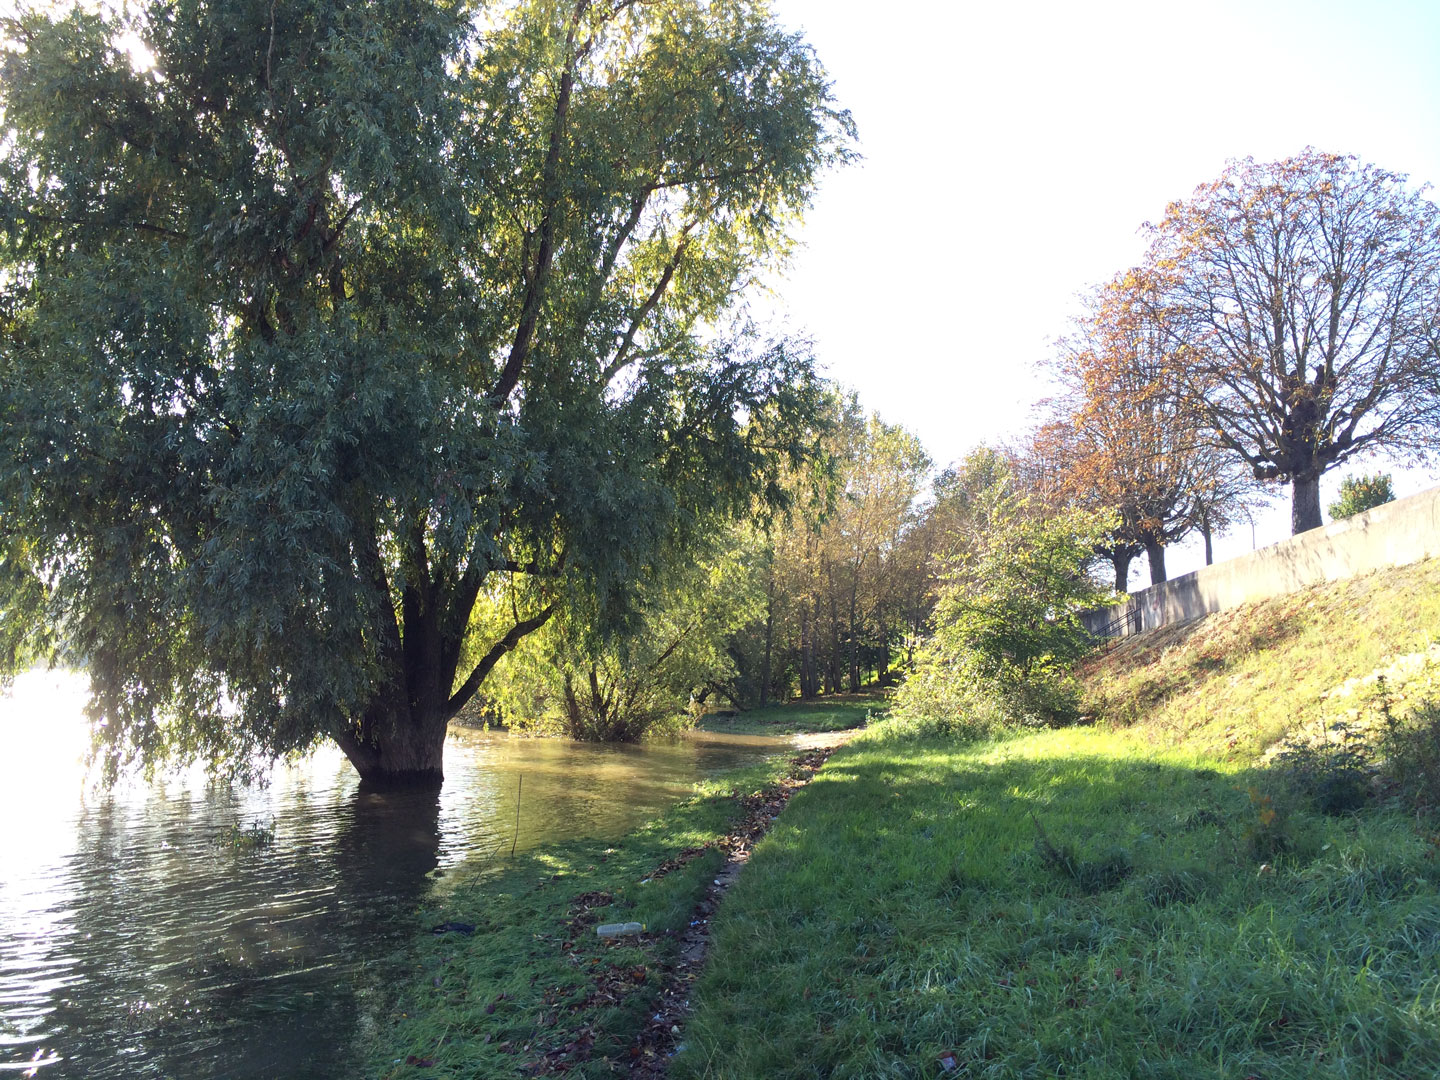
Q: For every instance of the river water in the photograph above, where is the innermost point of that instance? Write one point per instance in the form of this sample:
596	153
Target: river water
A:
137	940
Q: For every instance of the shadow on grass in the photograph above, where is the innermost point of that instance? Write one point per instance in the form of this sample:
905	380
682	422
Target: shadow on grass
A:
906	908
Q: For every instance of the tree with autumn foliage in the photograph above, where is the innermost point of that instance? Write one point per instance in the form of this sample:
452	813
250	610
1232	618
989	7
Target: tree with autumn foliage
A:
1125	439
1301	302
836	570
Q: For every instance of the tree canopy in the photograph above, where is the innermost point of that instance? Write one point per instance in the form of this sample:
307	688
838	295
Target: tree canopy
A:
1123	436
1302	297
340	318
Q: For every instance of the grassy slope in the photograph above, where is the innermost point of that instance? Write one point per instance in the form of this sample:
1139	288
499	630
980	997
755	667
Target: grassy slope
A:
1232	683
901	909
837	713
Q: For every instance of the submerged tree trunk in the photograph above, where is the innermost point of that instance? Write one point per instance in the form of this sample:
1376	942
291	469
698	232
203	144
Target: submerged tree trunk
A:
393	746
398	741
1305	504
1155	555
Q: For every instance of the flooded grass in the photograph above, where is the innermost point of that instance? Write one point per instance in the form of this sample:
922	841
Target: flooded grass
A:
526	983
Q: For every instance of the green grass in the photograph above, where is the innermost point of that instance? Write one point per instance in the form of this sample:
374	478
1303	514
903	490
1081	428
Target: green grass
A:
901	910
534	976
1233	683
1138	898
839	712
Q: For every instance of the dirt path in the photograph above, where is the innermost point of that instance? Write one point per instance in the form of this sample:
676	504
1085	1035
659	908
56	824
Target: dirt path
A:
824	740
650	1056
684	952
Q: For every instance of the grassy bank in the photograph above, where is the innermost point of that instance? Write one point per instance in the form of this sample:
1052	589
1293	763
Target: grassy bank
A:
1136	898
905	918
532	988
1140	897
840	712
1232	683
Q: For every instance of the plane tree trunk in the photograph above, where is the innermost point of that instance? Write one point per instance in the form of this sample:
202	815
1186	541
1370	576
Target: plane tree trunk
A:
1305	503
1155	555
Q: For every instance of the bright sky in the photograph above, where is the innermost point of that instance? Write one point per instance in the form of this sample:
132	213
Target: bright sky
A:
1012	151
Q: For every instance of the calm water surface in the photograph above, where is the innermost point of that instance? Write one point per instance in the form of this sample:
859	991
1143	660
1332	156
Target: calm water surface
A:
135	943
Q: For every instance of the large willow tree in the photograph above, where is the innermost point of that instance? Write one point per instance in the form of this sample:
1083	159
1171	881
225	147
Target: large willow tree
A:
336	318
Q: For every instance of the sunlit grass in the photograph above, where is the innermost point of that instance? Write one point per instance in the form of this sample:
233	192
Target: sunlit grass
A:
1235	682
900	911
840	712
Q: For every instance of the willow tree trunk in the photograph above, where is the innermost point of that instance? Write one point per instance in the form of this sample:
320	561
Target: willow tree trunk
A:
396	745
399	739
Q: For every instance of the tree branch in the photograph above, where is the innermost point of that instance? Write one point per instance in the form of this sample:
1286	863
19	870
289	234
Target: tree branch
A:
493	657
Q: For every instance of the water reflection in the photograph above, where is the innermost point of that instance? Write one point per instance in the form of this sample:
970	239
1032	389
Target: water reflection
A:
134	942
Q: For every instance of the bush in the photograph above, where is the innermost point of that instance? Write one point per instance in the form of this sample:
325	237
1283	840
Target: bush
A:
1361	493
1384	749
1335	774
1007	629
1410	755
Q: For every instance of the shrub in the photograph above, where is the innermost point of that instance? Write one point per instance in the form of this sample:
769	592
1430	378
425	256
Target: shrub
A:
1361	493
1334	774
1269	833
1007	628
1409	749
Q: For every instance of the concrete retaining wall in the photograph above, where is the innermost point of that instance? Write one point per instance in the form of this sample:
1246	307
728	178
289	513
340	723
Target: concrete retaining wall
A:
1400	532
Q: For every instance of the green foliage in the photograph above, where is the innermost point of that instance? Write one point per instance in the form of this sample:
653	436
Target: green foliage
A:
247	837
27	622
1334	773
582	679
343	315
1361	493
1388	747
840	574
1007	630
1409	749
1268	832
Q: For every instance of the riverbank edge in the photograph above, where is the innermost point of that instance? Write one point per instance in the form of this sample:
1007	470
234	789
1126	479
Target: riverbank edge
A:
515	980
